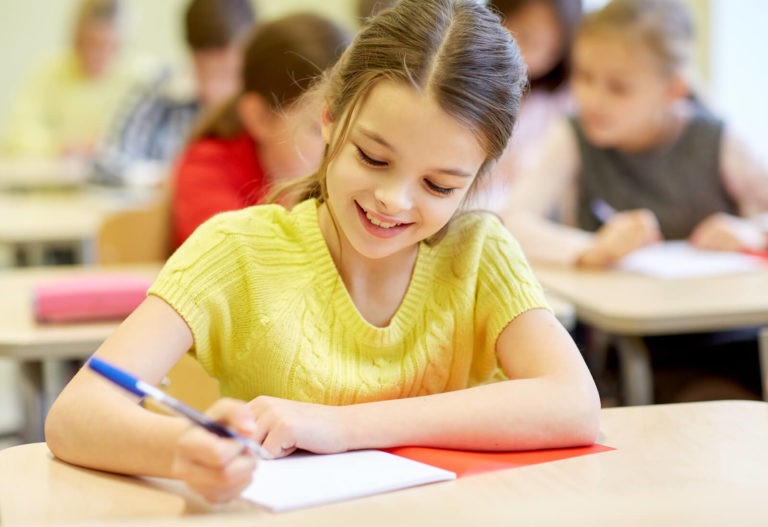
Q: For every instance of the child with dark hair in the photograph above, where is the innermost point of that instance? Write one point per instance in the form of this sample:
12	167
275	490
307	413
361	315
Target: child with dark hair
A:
262	135
156	119
544	31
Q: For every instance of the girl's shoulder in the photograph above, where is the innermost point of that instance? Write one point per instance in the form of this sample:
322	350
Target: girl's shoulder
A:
479	229
265	220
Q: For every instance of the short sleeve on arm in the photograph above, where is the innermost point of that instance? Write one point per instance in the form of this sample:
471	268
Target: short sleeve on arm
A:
506	285
201	281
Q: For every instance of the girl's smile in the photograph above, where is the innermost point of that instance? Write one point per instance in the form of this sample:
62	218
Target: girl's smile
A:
379	225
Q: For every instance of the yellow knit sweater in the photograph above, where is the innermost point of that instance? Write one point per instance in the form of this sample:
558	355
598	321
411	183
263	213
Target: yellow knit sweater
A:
271	316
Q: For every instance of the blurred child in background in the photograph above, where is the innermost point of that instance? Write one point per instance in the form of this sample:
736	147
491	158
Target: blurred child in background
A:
659	165
261	136
64	108
639	143
156	119
544	31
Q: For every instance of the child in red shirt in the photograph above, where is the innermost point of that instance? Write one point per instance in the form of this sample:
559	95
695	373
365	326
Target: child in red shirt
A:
259	137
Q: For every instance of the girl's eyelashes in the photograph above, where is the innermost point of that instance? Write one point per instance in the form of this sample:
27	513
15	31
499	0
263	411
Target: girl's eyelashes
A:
376	163
368	160
437	188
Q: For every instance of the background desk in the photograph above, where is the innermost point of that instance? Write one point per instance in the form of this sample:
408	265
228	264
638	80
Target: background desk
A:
684	464
32	221
631	306
31	344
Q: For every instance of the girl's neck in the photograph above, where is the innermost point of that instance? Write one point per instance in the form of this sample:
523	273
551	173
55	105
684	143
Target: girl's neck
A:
377	287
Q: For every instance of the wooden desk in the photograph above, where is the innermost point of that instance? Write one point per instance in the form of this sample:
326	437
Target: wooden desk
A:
631	306
682	464
30	343
32	221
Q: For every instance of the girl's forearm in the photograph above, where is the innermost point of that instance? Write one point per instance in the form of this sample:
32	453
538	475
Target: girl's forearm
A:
511	415
113	433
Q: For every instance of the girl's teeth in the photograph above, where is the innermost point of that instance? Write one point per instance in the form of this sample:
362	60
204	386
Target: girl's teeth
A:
378	223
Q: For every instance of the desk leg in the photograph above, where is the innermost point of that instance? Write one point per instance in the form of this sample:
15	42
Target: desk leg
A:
636	370
33	396
763	347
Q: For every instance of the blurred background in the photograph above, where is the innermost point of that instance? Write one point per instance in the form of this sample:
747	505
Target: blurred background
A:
732	73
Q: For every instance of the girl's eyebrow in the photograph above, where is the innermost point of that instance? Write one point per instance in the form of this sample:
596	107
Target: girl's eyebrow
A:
373	136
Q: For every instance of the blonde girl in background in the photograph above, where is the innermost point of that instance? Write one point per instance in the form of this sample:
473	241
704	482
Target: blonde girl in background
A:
370	314
642	161
641	144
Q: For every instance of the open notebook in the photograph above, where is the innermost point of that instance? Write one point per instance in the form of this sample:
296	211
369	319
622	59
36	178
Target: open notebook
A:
678	259
306	480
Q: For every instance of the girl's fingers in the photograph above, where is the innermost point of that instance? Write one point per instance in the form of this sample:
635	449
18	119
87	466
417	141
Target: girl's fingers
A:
204	448
235	414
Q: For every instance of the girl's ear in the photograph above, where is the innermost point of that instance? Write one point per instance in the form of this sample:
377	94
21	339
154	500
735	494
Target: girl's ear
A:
256	115
326	125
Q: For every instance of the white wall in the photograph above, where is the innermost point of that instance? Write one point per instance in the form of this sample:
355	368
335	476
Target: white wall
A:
738	68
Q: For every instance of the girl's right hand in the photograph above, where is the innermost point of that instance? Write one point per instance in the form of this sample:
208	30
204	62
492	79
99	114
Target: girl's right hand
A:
218	469
624	233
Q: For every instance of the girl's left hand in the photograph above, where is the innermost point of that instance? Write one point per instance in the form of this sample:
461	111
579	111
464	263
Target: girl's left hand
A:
724	232
283	426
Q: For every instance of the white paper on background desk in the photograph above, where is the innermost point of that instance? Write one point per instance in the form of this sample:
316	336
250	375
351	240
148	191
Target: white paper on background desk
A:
304	480
678	259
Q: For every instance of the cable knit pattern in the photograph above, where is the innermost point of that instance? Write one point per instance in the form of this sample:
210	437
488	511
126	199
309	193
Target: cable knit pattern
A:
271	316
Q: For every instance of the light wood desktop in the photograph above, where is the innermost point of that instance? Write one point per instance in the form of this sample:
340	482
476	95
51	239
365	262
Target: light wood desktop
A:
684	464
630	306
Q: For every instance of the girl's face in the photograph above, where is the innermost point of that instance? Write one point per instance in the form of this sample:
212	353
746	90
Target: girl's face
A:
217	73
538	32
622	96
401	173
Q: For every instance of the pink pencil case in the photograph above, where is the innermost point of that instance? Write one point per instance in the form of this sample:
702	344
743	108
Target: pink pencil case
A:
80	298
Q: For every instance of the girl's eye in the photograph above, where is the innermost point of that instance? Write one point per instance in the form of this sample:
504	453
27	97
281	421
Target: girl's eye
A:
368	160
438	188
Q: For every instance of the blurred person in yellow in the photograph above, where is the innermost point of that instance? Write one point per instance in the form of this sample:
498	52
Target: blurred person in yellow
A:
65	105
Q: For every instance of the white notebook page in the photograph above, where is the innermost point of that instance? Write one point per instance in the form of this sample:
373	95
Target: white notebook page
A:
679	259
305	480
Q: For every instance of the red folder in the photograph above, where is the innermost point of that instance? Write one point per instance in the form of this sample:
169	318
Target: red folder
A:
466	462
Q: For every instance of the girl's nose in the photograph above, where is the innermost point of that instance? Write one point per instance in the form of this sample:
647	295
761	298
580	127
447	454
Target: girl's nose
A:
394	195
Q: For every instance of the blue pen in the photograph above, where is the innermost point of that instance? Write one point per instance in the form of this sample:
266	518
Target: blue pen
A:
143	389
602	210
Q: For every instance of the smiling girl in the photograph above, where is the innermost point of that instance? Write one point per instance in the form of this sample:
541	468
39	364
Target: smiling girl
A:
370	314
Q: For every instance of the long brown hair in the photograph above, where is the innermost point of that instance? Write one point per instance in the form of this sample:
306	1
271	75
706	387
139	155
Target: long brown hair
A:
454	50
282	60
